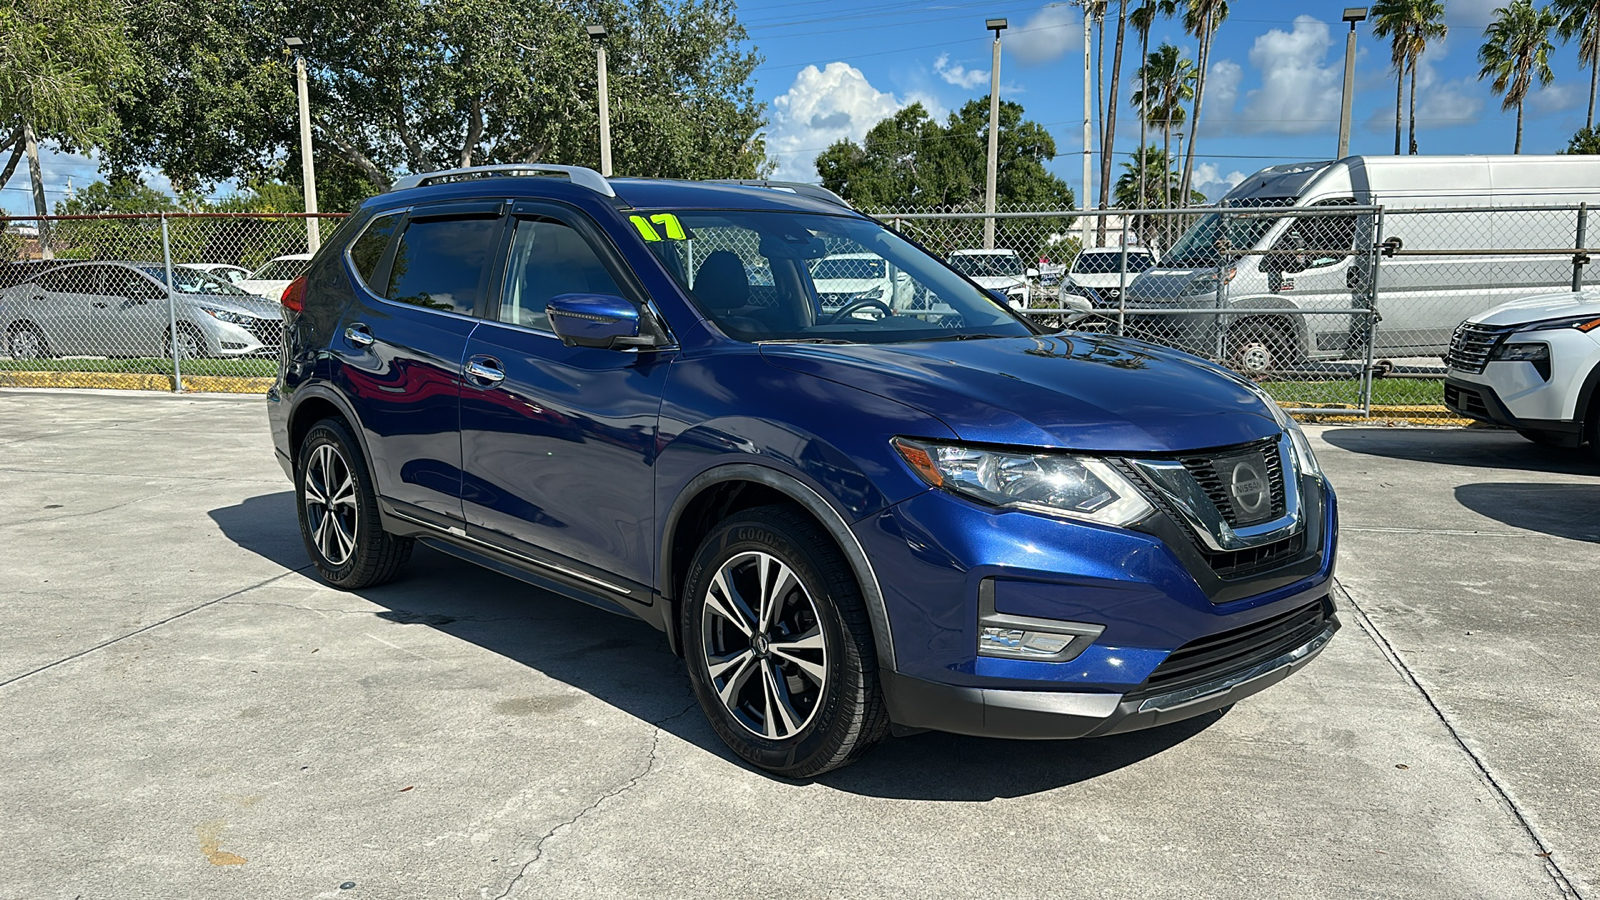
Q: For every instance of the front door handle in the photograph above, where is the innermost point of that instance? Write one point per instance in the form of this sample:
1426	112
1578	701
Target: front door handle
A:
358	336
485	371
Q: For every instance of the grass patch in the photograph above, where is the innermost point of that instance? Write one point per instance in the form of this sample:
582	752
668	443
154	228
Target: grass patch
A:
226	368
1385	391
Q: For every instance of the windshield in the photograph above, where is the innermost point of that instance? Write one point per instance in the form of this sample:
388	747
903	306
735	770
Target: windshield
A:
987	265
912	297
192	281
1197	249
1110	263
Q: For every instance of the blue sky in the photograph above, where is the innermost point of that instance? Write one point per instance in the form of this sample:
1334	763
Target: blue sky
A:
833	68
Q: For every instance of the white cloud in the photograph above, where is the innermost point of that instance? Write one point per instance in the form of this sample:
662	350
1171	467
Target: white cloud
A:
1559	96
1440	103
821	107
1209	180
1222	92
959	75
1050	34
1298	93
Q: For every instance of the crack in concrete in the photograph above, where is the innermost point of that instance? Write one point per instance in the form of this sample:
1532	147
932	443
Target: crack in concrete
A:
1546	851
137	631
630	784
79	515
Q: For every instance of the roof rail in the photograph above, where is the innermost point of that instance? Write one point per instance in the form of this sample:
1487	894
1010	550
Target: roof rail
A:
578	175
813	191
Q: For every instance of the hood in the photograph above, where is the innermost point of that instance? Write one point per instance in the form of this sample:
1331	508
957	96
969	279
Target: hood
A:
1168	284
1544	306
998	282
259	307
1076	392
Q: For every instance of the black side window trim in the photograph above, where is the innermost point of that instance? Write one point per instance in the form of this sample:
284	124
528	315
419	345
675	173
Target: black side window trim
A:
488	292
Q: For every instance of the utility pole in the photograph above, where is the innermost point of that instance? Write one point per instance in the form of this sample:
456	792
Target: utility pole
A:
1088	125
597	33
1352	14
996	26
308	172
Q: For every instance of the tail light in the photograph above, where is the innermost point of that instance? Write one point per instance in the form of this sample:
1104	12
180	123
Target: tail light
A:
294	296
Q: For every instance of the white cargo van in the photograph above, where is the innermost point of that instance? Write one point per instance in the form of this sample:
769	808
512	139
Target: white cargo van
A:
1316	256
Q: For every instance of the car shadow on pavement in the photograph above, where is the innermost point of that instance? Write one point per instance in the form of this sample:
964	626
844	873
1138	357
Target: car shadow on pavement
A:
1487	448
1569	511
625	663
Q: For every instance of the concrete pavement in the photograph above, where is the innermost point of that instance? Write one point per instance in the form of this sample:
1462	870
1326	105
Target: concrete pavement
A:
187	713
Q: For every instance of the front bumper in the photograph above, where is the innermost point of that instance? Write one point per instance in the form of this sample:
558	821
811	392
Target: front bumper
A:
1047	715
1479	400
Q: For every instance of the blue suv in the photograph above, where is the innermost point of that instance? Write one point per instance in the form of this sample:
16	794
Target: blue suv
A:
852	504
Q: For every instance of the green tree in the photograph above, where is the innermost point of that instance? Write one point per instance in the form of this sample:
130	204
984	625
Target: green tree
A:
1586	141
1150	174
1143	18
1166	83
119	195
414	85
1201	18
1410	25
910	162
1516	52
1581	19
60	64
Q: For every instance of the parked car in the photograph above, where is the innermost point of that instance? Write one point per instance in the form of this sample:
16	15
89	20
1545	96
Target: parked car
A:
1533	365
24	270
271	279
1100	273
841	523
229	273
121	309
1319	255
843	278
1000	271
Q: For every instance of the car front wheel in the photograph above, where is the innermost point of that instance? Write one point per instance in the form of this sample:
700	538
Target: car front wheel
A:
779	645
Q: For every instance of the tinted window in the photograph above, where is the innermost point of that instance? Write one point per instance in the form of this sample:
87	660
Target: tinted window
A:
1109	263
54	281
847	268
439	263
987	265
549	258
368	249
126	283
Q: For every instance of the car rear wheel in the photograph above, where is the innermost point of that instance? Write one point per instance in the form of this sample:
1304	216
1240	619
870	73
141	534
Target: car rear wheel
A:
25	342
338	510
779	645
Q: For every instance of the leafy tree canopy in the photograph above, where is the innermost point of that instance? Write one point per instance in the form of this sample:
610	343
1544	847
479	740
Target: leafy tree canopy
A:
1587	140
414	85
119	195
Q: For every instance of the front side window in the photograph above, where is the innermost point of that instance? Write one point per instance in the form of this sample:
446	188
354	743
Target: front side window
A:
781	276
440	263
549	258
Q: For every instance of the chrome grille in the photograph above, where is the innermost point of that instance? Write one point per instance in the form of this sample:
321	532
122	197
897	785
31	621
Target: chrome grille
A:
1472	344
1204	470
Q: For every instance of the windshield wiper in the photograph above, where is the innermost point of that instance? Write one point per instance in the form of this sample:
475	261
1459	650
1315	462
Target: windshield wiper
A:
806	340
970	337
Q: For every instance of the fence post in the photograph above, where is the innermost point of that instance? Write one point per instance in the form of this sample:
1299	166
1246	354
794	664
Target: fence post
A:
172	312
1581	257
1372	316
1222	245
1122	281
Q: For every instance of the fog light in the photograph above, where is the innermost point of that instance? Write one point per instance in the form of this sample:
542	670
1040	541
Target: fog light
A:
1020	643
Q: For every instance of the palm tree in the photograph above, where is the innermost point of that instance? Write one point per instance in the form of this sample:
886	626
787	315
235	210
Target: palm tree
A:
1581	19
1166	83
1410	25
1516	50
1108	143
1143	19
1201	18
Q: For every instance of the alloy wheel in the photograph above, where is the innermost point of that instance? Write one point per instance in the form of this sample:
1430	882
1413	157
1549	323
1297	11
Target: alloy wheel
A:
330	504
26	344
764	646
188	345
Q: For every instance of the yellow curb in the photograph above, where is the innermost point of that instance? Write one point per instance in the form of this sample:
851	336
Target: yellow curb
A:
128	381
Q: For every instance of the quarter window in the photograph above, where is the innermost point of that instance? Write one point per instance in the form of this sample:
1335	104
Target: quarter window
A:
439	263
549	258
367	251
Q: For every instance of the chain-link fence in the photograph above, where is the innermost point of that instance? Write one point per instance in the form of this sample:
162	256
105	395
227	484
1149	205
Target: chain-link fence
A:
176	301
1333	307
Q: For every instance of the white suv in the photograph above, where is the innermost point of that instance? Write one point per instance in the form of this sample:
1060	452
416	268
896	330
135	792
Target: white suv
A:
1532	365
1000	271
1097	273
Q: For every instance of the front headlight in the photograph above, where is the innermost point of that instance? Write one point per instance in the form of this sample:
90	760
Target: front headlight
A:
223	315
1208	283
1056	483
1521	352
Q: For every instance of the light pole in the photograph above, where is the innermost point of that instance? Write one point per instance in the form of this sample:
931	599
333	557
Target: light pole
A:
996	26
1352	14
597	33
1088	124
308	171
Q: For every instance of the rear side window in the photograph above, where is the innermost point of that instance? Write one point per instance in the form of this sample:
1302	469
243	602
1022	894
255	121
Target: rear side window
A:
549	258
367	251
439	263
55	282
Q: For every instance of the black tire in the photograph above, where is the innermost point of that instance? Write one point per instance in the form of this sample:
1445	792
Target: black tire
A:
357	553
24	341
190	341
1256	350
844	716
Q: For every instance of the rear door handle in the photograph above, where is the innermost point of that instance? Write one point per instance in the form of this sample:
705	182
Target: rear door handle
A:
358	336
485	371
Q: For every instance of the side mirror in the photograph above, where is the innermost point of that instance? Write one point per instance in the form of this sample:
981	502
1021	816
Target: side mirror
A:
601	321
